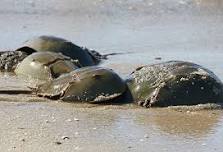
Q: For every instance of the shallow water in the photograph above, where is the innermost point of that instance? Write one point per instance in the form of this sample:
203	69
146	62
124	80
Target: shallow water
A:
189	30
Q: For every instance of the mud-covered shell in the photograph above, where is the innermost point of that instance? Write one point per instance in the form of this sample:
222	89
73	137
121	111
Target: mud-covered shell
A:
44	66
91	84
10	59
174	83
56	44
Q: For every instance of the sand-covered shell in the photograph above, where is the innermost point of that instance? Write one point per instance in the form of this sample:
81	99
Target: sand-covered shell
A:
10	59
174	83
89	84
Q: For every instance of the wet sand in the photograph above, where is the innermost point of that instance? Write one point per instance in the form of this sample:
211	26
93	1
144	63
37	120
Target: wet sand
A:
56	126
142	30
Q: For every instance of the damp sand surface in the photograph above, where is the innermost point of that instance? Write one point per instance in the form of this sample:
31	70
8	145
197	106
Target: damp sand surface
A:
56	126
144	32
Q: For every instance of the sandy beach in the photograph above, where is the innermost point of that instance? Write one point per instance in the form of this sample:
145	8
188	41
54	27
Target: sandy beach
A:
141	30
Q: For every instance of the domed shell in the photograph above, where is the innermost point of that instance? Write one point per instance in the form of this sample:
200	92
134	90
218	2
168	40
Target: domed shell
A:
174	83
56	44
91	84
44	66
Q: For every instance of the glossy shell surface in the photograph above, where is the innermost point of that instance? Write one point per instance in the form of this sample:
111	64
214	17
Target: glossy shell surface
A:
174	83
90	84
67	48
44	66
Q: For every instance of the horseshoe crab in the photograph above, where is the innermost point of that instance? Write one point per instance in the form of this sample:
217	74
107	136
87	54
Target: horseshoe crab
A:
90	84
86	57
67	48
174	83
45	66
